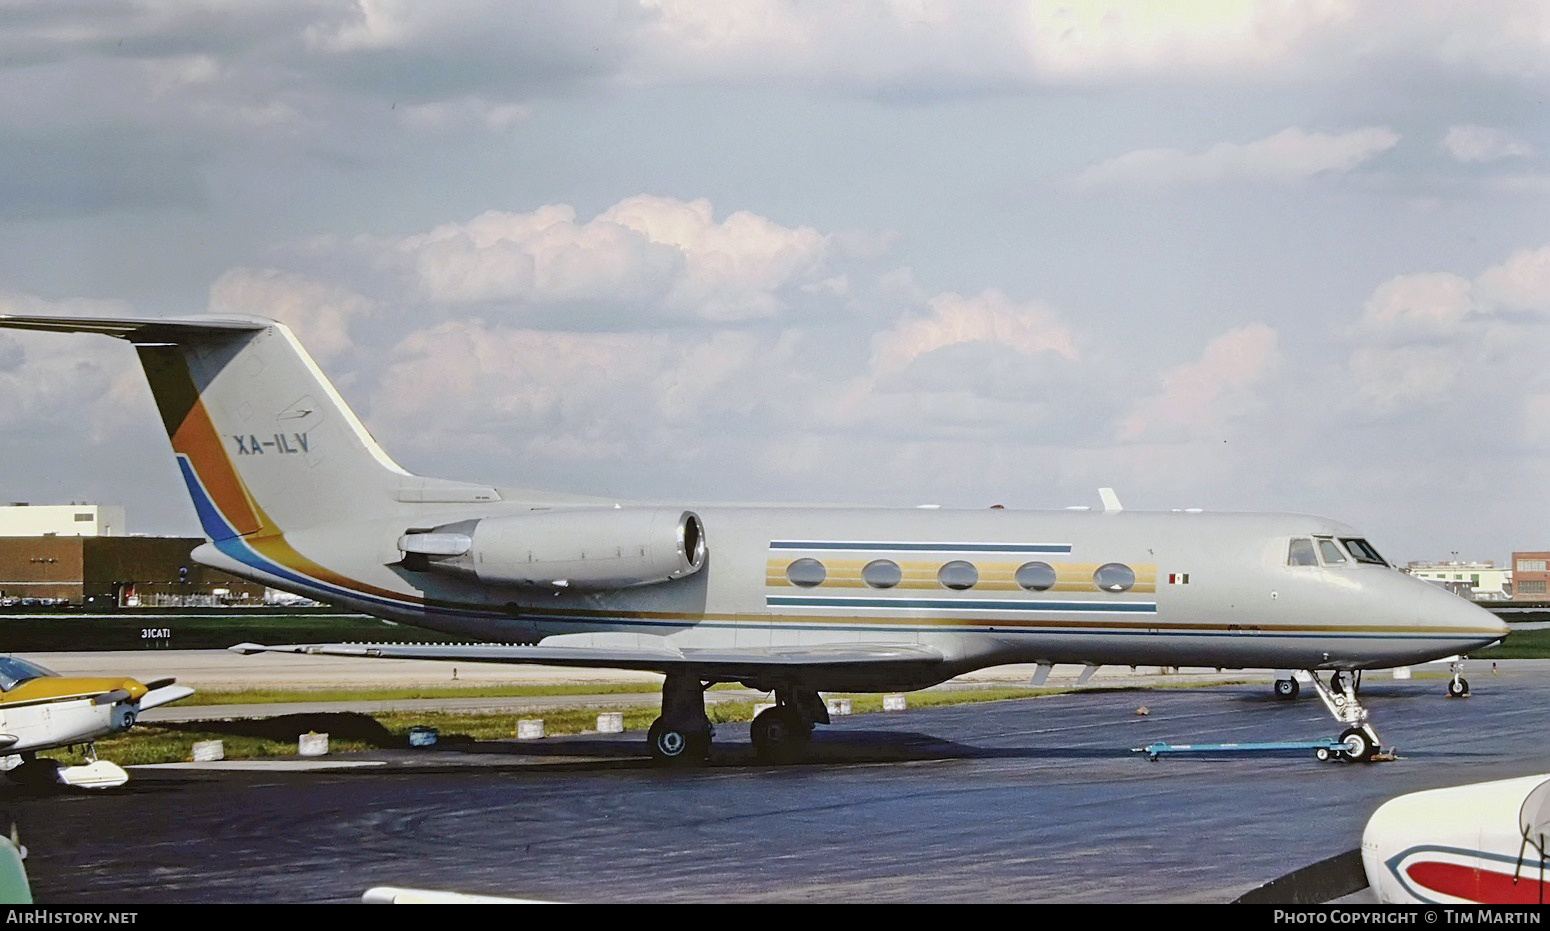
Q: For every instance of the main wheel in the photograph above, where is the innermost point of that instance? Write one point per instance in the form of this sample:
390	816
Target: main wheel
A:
1287	688
779	734
672	745
1358	746
40	771
1458	687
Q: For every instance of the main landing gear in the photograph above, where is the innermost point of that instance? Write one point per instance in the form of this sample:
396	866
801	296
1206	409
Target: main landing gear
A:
1358	741
682	734
39	771
780	734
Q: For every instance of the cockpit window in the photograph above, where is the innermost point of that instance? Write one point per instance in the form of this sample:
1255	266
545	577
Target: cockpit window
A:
1330	552
1362	551
1301	553
14	672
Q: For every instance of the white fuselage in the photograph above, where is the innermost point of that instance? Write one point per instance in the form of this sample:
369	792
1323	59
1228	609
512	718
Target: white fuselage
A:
1480	843
42	725
1192	589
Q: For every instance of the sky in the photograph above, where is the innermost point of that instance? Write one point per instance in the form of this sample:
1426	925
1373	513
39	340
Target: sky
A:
1278	256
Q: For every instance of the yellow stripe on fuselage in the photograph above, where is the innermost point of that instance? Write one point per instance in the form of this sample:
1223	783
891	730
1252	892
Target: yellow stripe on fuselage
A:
918	576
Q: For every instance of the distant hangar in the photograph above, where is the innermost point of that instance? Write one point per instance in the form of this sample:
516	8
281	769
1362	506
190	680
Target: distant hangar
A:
81	554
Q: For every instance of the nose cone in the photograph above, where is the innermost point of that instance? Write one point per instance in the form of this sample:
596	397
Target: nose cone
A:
1446	614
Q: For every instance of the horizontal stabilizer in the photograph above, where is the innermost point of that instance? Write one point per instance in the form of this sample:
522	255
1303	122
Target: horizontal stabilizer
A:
727	662
160	330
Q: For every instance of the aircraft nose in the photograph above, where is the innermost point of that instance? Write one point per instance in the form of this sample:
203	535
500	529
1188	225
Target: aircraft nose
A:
1442	611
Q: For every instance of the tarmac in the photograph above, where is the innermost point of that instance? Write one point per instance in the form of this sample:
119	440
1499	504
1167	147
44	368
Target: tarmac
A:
1036	800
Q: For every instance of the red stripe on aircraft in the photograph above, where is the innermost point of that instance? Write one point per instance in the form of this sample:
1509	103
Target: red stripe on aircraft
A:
1473	884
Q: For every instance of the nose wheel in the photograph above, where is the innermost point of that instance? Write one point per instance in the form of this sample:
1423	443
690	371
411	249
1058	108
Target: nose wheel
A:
1458	686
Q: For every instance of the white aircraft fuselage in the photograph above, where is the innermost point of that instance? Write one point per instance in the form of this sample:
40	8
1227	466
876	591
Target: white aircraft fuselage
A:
1209	590
1484	843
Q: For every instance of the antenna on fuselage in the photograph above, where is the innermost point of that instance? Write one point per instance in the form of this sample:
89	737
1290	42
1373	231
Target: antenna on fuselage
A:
1110	500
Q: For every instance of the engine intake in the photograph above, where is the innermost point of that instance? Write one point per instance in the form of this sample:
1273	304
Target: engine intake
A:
590	549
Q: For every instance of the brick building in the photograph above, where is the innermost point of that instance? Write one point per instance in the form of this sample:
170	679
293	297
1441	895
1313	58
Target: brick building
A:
1530	576
115	571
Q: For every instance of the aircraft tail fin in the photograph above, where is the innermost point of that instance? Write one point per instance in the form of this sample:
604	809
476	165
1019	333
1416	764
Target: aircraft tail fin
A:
263	441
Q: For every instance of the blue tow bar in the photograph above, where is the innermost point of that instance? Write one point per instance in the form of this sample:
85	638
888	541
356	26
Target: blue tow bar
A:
1326	748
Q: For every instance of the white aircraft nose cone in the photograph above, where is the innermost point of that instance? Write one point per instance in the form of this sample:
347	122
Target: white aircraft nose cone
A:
1443	612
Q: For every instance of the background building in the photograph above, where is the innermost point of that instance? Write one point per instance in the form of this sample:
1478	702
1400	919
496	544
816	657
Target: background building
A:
109	572
79	554
1530	576
1483	580
62	520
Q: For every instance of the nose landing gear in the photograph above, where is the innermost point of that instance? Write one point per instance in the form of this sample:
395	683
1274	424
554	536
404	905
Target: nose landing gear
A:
1358	741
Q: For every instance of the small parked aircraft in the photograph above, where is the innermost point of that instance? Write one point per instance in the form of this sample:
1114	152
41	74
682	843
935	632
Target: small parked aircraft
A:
293	492
43	710
1484	843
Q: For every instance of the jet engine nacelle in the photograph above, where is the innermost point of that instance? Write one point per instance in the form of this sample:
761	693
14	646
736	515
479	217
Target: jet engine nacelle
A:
592	549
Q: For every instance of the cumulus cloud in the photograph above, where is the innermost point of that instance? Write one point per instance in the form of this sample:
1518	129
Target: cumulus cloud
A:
990	317
1522	282
1290	155
884	43
319	312
654	254
1204	396
562	398
59	379
1440	339
1417	306
1469	143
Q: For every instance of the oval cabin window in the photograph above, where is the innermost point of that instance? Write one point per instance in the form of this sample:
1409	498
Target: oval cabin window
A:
1114	577
882	573
806	573
958	575
1036	576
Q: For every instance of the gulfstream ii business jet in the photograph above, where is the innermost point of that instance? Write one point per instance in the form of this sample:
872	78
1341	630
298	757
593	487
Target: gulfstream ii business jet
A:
294	493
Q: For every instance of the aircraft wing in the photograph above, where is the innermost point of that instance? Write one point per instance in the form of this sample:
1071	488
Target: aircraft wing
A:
717	663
